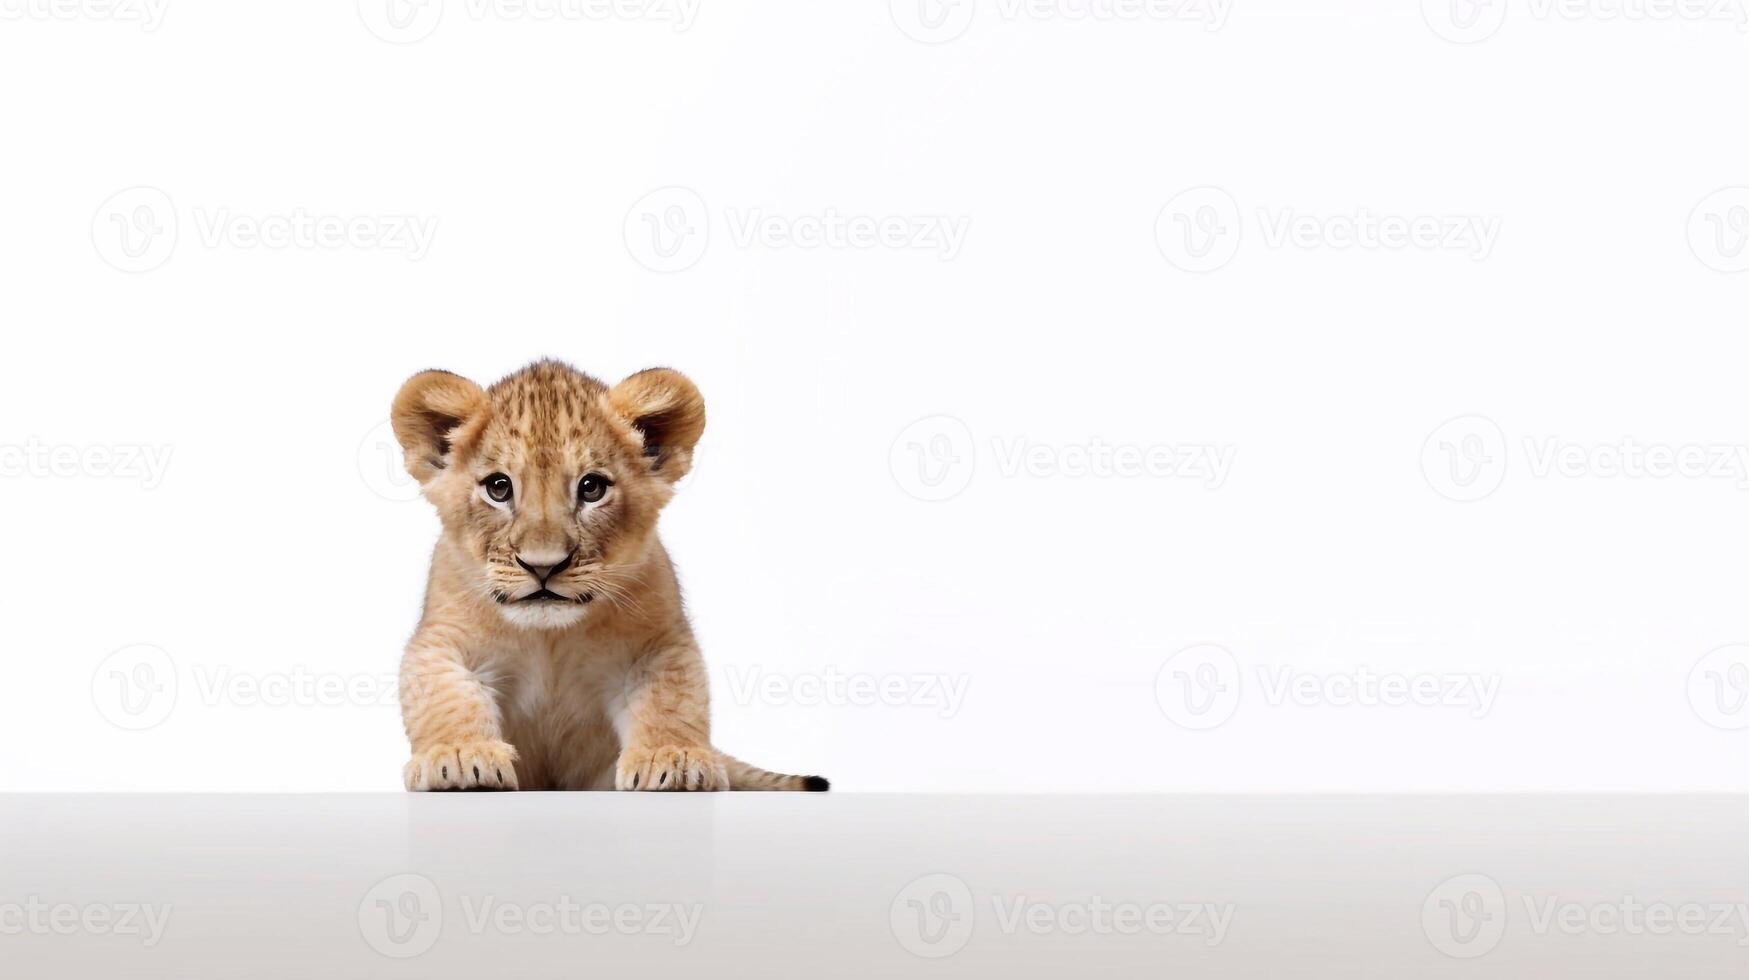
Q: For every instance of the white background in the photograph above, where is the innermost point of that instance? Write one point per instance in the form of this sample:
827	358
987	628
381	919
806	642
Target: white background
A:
277	545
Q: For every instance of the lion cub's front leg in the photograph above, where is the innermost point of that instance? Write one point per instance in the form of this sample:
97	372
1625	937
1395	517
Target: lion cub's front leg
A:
664	726
452	722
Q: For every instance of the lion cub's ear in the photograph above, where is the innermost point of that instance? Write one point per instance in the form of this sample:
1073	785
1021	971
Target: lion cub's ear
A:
668	411
428	409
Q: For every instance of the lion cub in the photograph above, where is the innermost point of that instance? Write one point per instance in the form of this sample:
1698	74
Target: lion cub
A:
553	652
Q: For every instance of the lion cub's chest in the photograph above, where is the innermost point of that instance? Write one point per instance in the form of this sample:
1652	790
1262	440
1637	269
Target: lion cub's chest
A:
558	705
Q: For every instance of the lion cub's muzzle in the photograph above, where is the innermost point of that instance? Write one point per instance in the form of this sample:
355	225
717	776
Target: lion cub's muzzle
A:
542	592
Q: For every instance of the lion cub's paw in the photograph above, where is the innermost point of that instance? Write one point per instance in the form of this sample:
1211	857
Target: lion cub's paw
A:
671	767
470	765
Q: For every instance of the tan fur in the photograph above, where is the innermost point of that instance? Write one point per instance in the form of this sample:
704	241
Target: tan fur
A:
605	689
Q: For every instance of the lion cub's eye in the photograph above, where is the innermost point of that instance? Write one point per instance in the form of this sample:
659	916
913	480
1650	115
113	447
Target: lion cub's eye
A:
497	487
593	487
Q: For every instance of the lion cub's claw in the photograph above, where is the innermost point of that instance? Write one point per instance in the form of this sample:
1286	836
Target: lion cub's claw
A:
671	767
471	765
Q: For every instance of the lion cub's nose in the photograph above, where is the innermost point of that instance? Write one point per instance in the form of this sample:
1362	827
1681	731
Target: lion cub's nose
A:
544	564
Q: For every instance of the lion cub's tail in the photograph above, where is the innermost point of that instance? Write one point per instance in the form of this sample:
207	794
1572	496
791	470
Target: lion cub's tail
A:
744	776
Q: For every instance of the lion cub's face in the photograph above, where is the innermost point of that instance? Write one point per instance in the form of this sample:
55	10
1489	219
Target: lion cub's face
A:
551	479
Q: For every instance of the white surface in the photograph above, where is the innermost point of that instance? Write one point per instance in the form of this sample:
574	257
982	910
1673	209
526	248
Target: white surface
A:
809	885
272	548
